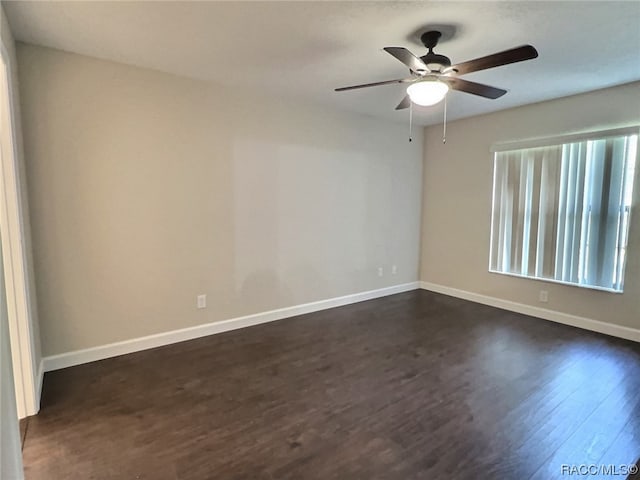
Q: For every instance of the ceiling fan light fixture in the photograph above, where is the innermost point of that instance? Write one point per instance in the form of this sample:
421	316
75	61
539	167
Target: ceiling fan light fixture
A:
427	92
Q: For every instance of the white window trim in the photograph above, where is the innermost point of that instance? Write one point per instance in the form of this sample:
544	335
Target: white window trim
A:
569	138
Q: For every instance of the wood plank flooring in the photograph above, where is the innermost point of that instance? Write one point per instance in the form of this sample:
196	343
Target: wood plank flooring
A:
413	386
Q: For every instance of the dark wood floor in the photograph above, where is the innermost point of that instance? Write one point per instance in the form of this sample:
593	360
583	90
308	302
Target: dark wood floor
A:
413	386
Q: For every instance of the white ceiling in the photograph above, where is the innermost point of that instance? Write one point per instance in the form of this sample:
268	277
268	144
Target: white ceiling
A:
305	49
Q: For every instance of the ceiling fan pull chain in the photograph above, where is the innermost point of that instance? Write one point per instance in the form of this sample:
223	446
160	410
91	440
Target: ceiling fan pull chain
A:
410	119
444	128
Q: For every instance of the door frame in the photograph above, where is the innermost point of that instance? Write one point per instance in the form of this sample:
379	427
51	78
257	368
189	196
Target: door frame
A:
10	453
27	375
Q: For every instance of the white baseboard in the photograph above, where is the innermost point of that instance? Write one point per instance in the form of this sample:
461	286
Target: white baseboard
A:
559	317
64	360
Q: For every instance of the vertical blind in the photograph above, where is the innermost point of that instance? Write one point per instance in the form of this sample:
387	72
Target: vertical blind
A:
561	212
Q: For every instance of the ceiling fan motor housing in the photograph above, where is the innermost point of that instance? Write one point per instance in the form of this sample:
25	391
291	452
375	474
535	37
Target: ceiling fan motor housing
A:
435	62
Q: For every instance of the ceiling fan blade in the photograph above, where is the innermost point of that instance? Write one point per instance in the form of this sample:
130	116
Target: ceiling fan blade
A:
518	54
408	58
387	82
406	101
474	88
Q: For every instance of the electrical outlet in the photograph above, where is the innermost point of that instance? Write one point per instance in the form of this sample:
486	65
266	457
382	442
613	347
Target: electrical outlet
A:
202	301
544	296
394	270
380	271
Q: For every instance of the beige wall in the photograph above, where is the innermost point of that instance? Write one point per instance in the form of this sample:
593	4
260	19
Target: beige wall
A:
457	203
147	189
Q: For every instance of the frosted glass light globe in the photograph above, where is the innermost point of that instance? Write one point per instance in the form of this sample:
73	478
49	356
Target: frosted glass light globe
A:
427	92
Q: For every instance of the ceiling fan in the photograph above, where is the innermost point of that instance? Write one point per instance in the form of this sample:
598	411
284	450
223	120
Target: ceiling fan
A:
432	75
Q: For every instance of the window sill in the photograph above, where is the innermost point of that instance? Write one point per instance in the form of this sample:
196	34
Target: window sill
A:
551	280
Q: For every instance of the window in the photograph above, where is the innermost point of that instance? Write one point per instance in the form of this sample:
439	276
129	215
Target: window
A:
561	210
